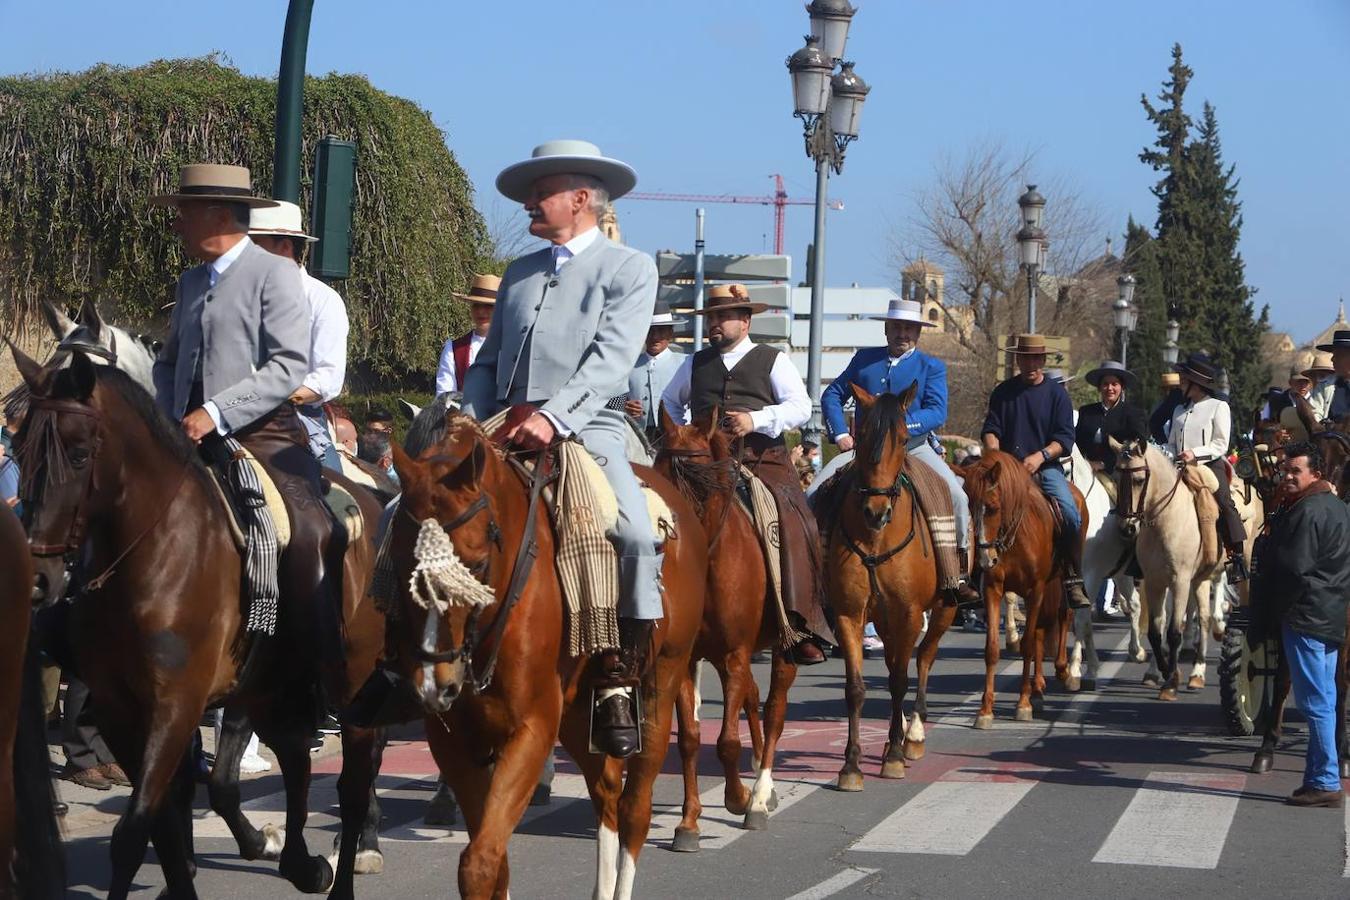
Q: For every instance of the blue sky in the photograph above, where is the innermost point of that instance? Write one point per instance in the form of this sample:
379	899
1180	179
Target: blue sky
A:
695	95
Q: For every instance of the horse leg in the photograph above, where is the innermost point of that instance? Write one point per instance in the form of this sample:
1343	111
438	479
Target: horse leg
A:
172	831
993	590
369	858
1206	602
1012	640
1155	605
1137	612
899	648
1264	760
750	706
849	631
289	740
763	797
355	786
690	739
735	671
223	790
938	623
604	781
1175	634
1031	658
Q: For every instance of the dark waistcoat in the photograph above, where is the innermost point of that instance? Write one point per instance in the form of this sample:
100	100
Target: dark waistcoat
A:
746	388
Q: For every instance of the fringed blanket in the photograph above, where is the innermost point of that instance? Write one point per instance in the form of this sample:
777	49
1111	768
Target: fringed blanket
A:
763	509
935	502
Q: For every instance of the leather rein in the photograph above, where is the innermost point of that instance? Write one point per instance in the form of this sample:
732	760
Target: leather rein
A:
1129	511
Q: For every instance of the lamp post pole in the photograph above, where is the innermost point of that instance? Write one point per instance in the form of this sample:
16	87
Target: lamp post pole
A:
291	101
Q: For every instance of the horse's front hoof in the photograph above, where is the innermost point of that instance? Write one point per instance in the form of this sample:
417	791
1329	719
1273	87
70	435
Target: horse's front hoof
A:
1168	694
369	862
274	840
756	820
893	768
1023	714
1263	763
1073	684
686	840
914	750
1089	683
737	807
1196	682
850	782
311	875
1139	656
984	721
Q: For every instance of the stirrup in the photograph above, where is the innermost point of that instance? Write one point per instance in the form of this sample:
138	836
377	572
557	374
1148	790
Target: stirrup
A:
1236	568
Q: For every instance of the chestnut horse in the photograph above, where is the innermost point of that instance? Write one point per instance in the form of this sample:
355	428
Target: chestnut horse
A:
30	844
738	619
495	706
159	631
879	565
1015	549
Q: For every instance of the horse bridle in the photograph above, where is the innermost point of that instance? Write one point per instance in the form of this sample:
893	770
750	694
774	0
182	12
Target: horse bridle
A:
74	538
1126	509
1007	532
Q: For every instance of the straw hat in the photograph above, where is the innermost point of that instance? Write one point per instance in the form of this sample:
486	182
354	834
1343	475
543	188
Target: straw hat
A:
729	296
1320	367
483	290
282	219
1296	375
1028	345
1171	380
210	181
905	311
565	157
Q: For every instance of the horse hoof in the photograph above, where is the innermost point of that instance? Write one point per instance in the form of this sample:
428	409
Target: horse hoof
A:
1151	680
1089	683
369	862
1023	714
914	750
1073	684
1196	683
1262	763
274	839
1140	657
772	804
312	875
756	820
984	721
893	768
686	840
850	781
1168	693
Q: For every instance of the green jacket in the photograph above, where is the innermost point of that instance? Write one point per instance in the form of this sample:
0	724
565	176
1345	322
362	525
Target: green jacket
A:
1305	563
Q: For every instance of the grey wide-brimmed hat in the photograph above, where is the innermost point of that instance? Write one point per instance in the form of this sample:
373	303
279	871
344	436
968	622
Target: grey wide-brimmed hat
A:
566	157
1059	376
899	310
1117	371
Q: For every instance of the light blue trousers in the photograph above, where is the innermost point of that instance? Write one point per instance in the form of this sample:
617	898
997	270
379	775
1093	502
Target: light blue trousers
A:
1312	667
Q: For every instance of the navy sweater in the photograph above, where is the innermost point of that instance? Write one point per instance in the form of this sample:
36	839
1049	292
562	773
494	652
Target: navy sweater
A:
1026	418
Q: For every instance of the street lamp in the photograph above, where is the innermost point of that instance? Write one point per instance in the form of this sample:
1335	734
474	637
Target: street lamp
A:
1031	241
1126	314
830	107
1171	351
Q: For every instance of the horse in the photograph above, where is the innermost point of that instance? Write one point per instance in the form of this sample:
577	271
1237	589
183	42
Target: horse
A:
494	677
879	566
1158	512
31	858
1019	558
738	619
159	630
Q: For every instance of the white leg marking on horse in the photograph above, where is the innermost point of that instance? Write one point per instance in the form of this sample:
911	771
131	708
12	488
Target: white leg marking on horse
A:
274	839
698	689
627	875
763	789
606	862
916	733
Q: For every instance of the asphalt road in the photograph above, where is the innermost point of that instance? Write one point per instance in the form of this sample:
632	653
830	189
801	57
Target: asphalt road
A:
1109	794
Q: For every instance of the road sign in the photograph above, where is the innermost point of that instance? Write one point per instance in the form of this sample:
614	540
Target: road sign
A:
742	267
681	296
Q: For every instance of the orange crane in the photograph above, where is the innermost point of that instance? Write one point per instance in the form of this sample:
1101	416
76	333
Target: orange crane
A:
779	200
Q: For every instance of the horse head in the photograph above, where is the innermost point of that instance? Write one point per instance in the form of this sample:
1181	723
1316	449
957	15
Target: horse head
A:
134	354
446	540
696	457
57	450
880	459
1132	479
984	484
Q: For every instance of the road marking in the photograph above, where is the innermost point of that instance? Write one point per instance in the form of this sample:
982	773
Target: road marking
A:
964	711
717	827
1345	872
831	886
567	790
1175	819
953	814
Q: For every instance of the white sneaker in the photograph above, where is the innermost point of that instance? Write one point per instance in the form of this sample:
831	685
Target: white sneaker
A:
872	643
254	765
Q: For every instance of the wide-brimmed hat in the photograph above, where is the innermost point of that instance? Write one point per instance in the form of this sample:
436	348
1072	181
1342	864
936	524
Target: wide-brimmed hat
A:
211	181
1115	370
661	315
1171	379
1199	368
1296	373
904	311
1028	345
1320	367
282	219
729	296
1339	341
483	290
1059	376
566	157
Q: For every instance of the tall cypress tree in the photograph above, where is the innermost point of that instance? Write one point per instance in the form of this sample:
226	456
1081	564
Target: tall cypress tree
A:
1150	337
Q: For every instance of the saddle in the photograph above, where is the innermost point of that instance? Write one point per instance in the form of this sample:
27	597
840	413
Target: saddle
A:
338	499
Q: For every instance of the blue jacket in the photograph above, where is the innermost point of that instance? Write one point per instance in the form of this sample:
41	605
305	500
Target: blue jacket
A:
870	370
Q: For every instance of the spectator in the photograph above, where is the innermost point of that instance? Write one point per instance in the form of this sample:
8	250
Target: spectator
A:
9	481
89	762
374	448
346	435
381	420
1305	568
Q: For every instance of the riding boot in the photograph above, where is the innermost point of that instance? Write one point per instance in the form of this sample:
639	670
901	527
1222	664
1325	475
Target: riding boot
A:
1074	595
965	594
614	720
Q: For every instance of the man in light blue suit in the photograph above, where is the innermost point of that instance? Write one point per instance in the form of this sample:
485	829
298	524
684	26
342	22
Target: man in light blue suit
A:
891	369
656	366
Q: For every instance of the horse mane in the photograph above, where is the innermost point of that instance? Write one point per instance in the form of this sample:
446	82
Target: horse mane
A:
428	426
700	481
883	425
1016	488
168	434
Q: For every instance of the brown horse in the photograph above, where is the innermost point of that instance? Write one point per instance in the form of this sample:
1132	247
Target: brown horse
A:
738	619
30	844
1020	558
160	629
879	565
494	676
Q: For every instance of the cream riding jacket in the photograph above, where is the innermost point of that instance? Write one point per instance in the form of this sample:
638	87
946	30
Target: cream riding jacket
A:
1202	427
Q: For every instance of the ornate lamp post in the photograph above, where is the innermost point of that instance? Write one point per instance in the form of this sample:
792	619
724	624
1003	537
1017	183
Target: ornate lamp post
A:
1126	314
829	105
1171	351
1031	242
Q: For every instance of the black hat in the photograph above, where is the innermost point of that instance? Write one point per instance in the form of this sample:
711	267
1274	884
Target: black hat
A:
1199	368
1339	341
1115	370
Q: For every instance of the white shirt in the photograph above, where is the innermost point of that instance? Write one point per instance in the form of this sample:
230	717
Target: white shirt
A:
792	410
214	270
327	338
1202	427
445	371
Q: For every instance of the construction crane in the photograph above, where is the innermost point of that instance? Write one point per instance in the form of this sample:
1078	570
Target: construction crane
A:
779	200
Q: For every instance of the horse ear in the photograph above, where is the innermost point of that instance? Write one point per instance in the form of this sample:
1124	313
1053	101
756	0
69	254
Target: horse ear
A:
90	318
861	396
60	324
713	420
1114	444
995	470
404	465
668	425
907	397
29	368
82	371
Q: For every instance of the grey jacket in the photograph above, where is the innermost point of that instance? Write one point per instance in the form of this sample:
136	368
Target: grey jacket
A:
565	342
251	333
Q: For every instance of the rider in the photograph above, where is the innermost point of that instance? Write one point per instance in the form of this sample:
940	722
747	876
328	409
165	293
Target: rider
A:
569	323
1031	417
461	352
656	365
1330	400
237	350
1200	433
1113	416
891	369
760	395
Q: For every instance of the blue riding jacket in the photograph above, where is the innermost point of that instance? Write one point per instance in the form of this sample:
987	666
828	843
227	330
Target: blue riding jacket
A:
872	370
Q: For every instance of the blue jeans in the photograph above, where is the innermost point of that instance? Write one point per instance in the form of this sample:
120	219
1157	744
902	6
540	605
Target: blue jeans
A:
1056	487
1312	665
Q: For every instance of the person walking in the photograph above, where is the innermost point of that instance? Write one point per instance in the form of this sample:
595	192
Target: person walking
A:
1305	567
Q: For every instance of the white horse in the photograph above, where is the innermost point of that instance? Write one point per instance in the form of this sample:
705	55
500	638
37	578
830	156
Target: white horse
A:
1169	547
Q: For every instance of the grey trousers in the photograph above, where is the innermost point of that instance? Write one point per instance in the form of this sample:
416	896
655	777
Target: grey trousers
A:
606	438
960	505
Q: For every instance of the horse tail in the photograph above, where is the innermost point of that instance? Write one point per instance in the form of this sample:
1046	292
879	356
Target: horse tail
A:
39	856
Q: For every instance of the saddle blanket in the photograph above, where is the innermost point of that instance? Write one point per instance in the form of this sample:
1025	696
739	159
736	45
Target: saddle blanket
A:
1203	483
763	510
339	500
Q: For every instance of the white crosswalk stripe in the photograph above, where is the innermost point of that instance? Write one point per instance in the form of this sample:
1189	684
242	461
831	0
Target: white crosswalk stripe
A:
717	827
1176	819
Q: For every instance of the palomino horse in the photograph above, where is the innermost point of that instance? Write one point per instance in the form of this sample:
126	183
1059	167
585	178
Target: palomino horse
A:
494	677
1158	511
879	565
738	619
1015	543
159	630
30	844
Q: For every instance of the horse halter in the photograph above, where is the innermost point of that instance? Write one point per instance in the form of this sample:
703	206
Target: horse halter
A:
41	427
1126	508
1007	532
